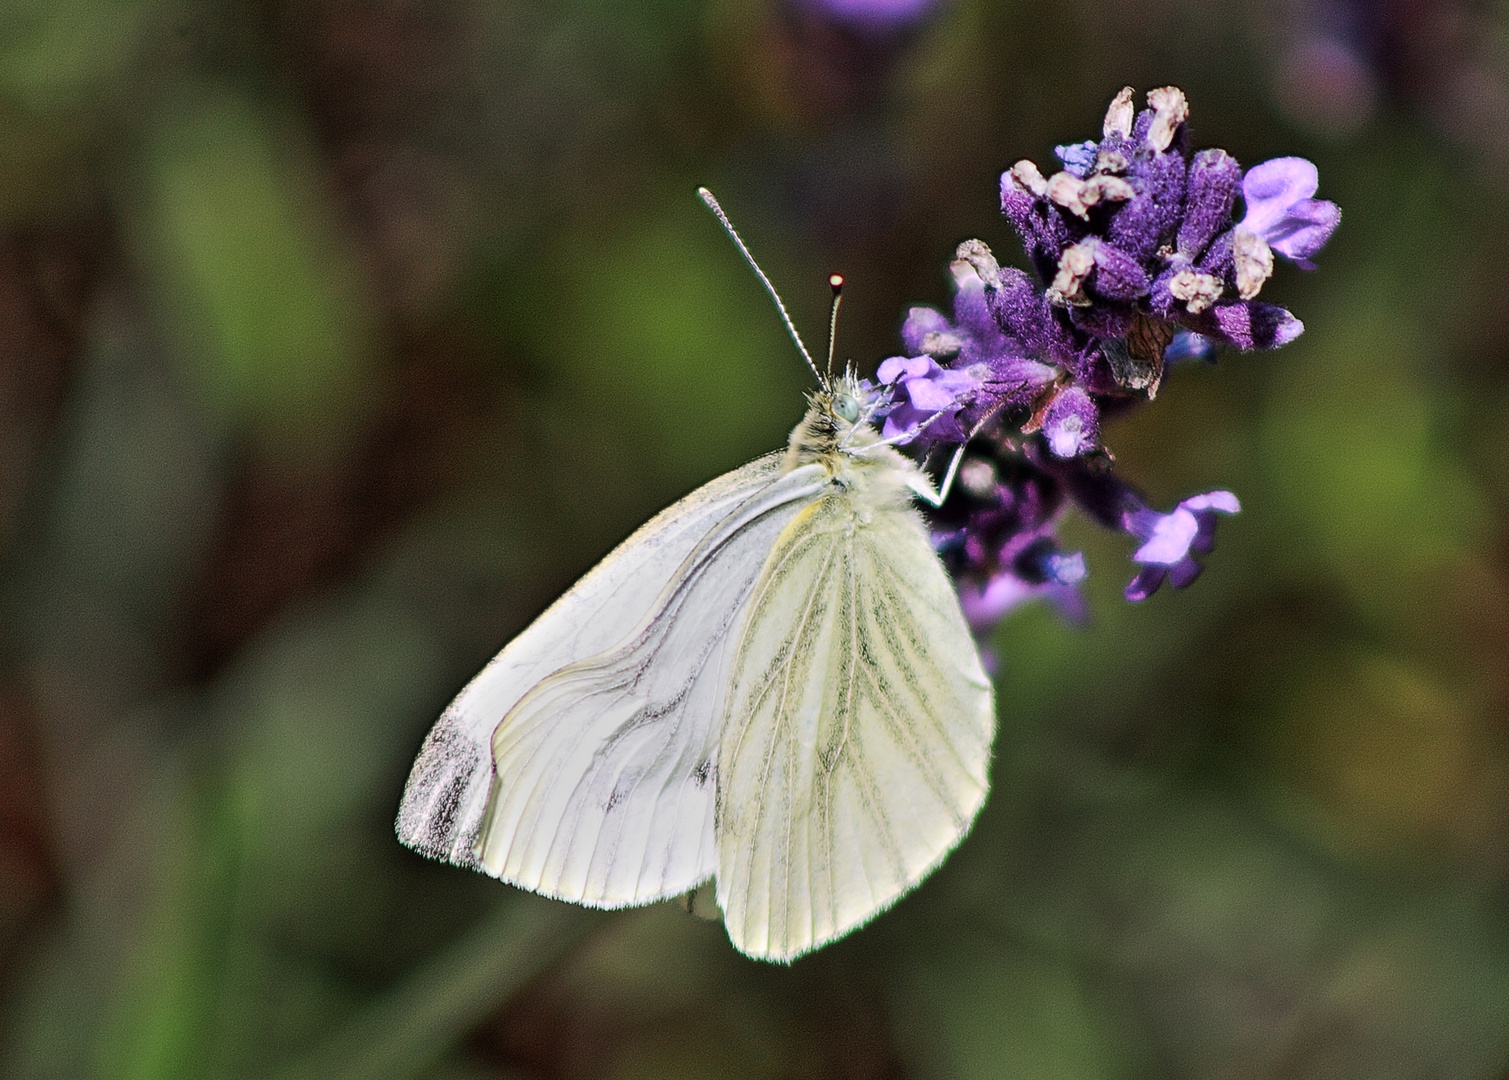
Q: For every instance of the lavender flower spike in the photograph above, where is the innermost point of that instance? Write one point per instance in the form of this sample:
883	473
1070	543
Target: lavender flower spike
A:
1282	212
1142	258
1171	541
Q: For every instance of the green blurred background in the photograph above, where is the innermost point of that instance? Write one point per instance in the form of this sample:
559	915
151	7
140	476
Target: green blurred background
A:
337	337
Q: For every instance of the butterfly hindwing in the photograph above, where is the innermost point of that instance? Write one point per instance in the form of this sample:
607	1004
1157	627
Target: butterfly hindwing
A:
857	732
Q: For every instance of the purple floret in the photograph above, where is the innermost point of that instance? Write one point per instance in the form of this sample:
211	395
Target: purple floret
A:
964	370
1214	177
1250	324
973	337
1171	541
1151	219
927	399
1078	158
1071	424
1281	210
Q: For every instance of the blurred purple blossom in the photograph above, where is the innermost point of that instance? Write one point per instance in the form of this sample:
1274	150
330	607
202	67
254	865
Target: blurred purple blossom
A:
1188	345
1325	76
996	535
874	16
985	605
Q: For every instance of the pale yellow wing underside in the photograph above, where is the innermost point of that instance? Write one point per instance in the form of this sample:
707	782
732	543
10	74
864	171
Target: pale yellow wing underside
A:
856	739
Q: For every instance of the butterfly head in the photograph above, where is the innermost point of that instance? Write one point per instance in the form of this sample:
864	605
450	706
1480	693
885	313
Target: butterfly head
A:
847	398
838	419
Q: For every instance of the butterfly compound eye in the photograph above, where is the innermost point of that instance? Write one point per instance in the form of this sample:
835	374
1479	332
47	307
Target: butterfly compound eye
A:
846	408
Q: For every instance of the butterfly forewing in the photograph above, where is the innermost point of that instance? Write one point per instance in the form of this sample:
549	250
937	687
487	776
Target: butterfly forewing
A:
449	796
857	729
605	770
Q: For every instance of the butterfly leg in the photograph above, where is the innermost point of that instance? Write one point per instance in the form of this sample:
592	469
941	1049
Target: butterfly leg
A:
936	498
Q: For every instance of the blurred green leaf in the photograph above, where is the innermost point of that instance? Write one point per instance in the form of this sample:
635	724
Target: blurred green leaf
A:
174	988
253	272
57	53
986	1010
407	1031
672	344
1349	437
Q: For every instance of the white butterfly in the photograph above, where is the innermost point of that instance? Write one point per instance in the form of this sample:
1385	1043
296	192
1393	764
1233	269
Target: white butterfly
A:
770	685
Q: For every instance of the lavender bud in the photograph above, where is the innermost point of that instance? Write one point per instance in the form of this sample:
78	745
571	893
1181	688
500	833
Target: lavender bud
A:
1214	178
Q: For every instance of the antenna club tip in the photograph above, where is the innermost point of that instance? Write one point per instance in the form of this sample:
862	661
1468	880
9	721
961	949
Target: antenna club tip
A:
836	283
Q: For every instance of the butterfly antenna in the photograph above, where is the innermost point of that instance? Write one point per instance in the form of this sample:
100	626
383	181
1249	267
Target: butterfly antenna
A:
728	227
836	283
